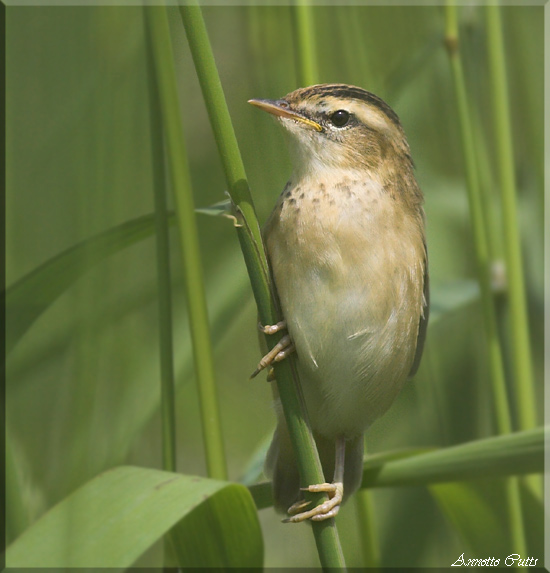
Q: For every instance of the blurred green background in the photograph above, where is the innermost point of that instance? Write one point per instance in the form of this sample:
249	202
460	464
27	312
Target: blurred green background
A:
83	381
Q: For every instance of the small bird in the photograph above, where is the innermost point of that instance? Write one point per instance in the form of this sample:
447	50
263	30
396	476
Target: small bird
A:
347	250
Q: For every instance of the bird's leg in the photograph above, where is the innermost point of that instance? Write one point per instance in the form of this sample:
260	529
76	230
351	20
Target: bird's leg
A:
279	352
335	491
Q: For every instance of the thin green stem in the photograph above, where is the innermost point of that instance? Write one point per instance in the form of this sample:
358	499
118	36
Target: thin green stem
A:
250	234
477	220
248	231
193	276
502	407
521	347
168	400
357	55
366	522
167	394
304	33
491	208
16	513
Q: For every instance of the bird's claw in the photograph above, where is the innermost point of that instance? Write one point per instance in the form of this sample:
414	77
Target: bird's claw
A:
297	507
272	328
279	352
326	510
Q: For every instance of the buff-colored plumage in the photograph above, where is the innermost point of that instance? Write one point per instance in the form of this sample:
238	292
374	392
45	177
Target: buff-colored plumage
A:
346	246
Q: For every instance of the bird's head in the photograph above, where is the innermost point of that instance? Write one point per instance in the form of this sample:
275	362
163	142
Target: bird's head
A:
339	126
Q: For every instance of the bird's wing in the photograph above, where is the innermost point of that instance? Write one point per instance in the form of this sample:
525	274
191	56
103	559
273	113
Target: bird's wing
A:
423	325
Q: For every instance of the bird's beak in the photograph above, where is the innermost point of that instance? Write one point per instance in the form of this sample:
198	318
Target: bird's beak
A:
280	108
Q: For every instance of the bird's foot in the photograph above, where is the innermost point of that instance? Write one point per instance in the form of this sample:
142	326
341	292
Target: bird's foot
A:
272	328
326	510
279	352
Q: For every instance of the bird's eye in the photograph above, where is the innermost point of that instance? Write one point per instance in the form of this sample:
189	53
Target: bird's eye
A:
340	118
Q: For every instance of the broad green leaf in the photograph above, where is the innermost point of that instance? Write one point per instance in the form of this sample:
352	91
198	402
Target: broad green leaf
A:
30	296
224	532
512	454
376	461
117	516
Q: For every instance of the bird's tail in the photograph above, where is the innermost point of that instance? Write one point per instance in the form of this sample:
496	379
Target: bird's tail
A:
281	466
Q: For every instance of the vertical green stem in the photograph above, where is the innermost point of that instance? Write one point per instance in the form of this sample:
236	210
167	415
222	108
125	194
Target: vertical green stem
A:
16	514
168	410
491	207
193	276
167	395
351	24
370	545
326	534
308	69
477	219
502	408
521	348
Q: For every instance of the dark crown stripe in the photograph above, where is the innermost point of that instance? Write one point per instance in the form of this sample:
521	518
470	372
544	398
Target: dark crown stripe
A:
353	92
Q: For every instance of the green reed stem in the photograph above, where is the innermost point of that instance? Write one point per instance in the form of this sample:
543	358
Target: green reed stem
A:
248	231
477	219
16	514
162	234
502	407
304	34
520	344
168	395
370	544
491	208
193	276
